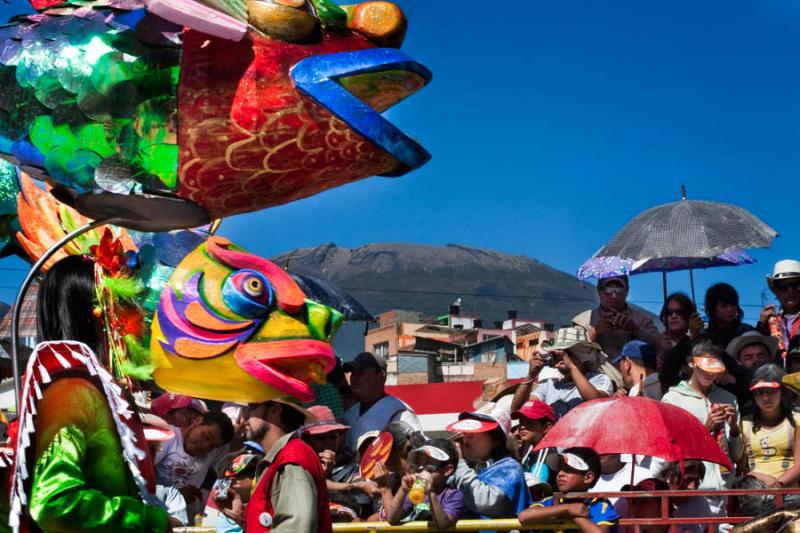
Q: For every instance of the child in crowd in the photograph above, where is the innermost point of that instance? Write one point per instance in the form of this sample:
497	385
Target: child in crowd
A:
185	460
686	477
178	409
389	475
535	420
579	471
443	505
488	472
235	487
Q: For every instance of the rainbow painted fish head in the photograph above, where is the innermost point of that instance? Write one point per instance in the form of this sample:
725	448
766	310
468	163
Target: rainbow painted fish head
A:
232	326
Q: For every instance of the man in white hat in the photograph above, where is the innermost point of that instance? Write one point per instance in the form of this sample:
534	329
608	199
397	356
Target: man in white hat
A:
785	284
614	323
578	360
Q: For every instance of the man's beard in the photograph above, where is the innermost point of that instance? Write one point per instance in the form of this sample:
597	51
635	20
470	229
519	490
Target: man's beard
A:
257	434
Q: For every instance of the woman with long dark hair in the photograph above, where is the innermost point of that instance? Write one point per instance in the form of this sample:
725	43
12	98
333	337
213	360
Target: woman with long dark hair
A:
83	465
680	320
772	448
724	314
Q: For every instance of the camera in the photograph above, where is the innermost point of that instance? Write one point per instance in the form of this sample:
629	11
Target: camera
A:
550	358
223	488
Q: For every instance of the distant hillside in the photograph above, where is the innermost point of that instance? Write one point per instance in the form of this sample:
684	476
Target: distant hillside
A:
428	279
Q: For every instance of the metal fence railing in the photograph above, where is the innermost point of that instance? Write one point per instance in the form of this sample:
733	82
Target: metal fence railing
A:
558	526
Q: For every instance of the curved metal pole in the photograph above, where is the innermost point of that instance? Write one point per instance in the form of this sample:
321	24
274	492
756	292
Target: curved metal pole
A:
23	290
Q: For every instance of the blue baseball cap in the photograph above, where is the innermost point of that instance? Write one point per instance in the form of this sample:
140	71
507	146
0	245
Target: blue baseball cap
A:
637	349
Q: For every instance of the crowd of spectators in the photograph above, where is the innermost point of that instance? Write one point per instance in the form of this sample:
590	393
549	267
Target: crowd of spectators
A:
727	374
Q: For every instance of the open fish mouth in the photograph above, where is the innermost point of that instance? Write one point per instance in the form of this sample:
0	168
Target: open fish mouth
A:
287	365
357	86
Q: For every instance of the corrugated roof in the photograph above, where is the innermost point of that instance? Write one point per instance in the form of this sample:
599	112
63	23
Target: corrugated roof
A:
27	318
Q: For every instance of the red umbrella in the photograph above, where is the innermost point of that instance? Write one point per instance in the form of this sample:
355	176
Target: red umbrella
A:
636	426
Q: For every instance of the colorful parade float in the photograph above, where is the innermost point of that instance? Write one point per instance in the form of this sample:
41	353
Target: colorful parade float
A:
148	120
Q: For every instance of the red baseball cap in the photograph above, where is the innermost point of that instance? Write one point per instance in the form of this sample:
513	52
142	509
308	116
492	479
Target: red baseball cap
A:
169	401
535	410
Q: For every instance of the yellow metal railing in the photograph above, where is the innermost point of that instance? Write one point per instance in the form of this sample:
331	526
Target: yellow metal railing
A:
498	524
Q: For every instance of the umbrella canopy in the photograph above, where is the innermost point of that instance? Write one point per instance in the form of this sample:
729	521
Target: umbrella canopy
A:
638	426
690	229
604	267
326	293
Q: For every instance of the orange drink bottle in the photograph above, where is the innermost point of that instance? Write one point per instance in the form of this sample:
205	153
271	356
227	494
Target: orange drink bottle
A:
417	493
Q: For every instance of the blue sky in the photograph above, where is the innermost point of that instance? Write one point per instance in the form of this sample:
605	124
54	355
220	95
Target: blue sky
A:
552	124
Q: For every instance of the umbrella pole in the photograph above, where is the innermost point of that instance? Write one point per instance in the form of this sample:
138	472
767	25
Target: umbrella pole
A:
633	467
664	281
691	282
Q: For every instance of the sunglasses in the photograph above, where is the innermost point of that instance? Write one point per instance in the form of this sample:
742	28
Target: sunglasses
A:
613	289
675	312
786	287
430	468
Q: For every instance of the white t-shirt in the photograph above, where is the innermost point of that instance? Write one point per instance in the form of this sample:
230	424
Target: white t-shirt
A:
176	467
563	395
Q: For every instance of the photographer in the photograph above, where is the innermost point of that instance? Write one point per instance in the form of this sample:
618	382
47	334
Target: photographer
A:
614	323
578	360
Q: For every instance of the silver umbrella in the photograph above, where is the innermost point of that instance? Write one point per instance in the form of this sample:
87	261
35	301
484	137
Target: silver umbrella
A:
691	230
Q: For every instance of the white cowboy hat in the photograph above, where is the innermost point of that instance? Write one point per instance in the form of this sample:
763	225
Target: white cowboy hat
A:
784	269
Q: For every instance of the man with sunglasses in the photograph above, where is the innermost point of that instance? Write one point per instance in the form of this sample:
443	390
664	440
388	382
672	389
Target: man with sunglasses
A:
785	284
614	323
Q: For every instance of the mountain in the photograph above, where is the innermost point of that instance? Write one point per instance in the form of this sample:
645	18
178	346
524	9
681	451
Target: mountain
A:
428	279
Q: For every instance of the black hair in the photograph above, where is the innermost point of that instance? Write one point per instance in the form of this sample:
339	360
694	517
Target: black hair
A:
220	419
447	447
683	300
403	433
706	347
291	419
65	305
590	457
771	372
721	293
751	504
672	471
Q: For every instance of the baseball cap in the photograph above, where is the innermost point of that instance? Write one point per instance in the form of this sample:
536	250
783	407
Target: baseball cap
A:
487	418
709	363
620	280
535	410
574	462
366	360
169	402
637	349
240	464
766	385
432	451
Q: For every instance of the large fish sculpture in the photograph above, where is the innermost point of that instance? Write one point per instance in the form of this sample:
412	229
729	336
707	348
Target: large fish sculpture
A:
167	114
197	312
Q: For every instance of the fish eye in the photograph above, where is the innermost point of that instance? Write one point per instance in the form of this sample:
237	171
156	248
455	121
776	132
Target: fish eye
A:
253	287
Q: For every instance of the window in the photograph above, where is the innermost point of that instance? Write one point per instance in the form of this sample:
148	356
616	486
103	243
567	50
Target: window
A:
381	349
